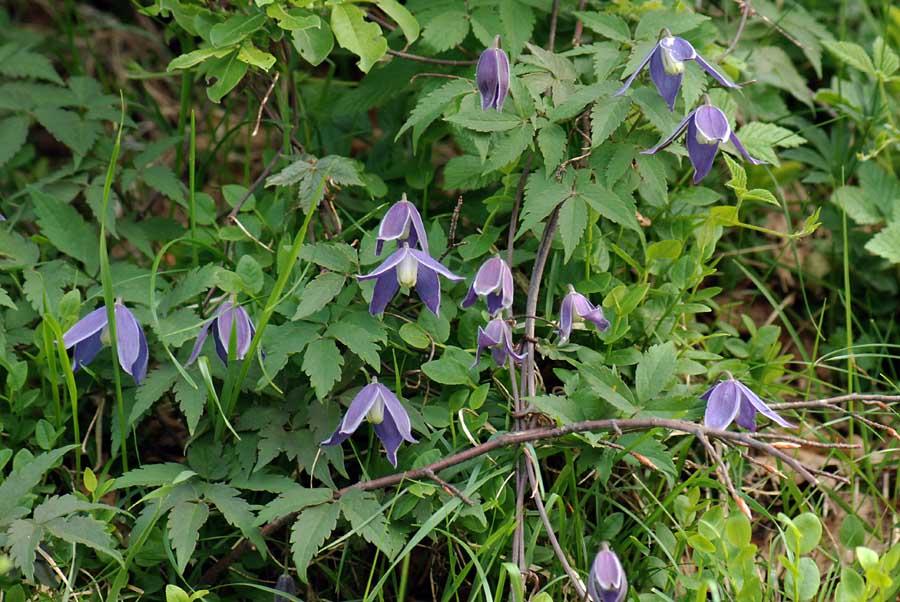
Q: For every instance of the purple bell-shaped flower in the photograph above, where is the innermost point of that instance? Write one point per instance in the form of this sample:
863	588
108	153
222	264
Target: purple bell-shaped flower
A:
89	334
402	222
607	581
576	306
497	337
494	281
226	315
492	77
731	400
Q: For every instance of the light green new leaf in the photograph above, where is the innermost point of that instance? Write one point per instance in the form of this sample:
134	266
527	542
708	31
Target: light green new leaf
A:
292	19
309	532
195	57
357	35
252	55
886	243
852	54
401	15
235	28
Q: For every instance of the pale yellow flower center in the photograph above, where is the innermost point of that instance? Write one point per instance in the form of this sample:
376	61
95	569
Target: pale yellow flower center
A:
407	271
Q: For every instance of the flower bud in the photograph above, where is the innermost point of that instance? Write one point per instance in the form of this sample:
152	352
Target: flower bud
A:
607	581
492	77
285	584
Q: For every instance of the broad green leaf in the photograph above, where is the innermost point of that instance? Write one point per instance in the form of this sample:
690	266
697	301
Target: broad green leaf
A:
886	60
335	256
250	273
13	133
806	584
227	72
610	26
858	205
401	15
309	532
654	371
852	587
810	528
446	371
185	521
315	43
322	362
361	37
366	518
738	530
676	21
86	531
318	293
235	28
292	19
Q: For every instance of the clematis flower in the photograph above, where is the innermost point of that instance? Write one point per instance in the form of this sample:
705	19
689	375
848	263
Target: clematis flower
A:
730	400
667	68
402	222
576	307
707	127
498	338
378	405
91	332
286	585
607	581
227	314
408	268
494	280
492	77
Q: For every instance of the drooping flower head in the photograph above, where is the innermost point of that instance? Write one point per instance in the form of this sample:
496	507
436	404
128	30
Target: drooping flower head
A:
707	127
225	316
607	581
378	405
286	585
730	400
91	332
402	222
492	77
667	68
494	281
409	268
576	306
497	337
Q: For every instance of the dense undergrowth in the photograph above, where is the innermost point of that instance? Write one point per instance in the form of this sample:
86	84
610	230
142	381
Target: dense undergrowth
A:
227	170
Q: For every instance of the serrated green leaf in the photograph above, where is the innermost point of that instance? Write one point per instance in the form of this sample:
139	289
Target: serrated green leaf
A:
606	117
552	142
151	475
152	388
610	26
322	362
19	61
359	341
66	229
13	134
656	368
235	510
486	121
16	251
363	511
185	521
886	243
318	293
446	30
852	54
611	205
357	35
192	401
761	194
772	65
293	500
541	197
507	147
162	179
335	256
885	59
573	219
761	139
309	532
70	128
431	106
86	531
56	506
23	538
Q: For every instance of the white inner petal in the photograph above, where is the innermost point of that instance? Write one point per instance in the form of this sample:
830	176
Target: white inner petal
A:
704	139
376	412
671	66
407	271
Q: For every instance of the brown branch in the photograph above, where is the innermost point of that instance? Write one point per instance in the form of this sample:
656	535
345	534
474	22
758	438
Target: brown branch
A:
428	59
513	439
451	489
551	41
738	33
866	398
579	26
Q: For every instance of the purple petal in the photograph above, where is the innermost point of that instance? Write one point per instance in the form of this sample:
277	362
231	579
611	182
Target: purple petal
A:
597	318
760	405
488	338
746	417
385	289
722	405
139	368
701	155
86	327
86	350
221	349
395	410
433	264
678	48
637	71
489	276
238	317
565	318
507	286
390	438
672	136
128	339
607	581
471	297
737	144
666	84
719	77
508	346
417	234
712	123
198	344
494	303
486	77
356	413
395	223
502	80
429	288
387	265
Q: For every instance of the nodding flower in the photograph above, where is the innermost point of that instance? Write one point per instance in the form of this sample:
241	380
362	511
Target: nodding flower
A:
494	281
607	581
576	307
492	77
707	127
667	60
497	337
91	333
409	268
731	400
402	222
378	405
225	316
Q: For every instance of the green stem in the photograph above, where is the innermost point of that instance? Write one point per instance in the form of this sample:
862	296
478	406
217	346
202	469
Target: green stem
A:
192	168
